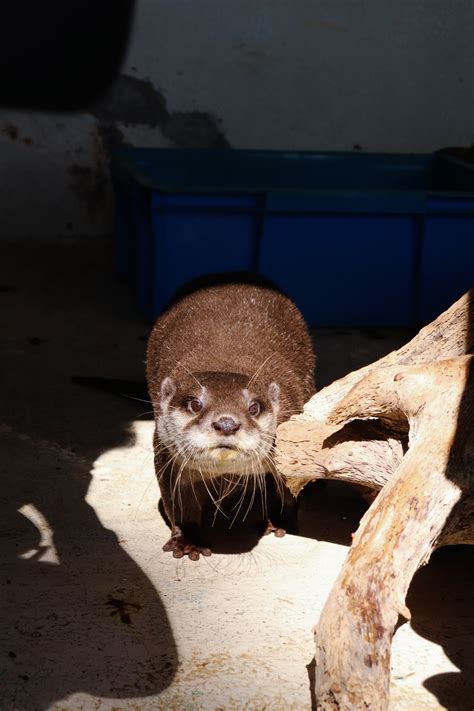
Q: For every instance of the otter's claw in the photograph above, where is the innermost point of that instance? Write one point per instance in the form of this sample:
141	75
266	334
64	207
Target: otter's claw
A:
271	528
180	546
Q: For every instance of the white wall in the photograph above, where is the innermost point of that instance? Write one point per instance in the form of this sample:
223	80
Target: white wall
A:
295	74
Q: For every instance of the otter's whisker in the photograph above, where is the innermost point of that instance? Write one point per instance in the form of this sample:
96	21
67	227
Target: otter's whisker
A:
254	376
240	501
252	498
214	501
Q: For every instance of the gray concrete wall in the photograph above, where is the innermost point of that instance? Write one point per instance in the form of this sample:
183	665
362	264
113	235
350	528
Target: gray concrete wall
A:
372	75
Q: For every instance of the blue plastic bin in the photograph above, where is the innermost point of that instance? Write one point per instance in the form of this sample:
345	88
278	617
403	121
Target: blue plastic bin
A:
354	239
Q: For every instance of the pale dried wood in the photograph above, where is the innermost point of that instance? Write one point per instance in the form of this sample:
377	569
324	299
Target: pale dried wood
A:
448	336
358	453
308	447
404	425
420	507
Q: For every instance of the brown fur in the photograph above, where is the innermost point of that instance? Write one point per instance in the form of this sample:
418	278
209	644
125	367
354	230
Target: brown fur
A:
226	338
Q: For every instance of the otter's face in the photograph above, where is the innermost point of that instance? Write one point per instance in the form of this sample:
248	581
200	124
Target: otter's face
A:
215	424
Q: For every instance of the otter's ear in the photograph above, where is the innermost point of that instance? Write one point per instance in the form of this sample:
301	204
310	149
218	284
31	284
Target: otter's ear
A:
167	390
274	394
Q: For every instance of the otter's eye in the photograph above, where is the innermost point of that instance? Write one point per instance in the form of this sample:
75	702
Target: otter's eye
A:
194	405
254	408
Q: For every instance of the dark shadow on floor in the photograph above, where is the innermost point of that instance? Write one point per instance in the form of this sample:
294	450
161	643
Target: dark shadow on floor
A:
93	623
446	585
330	511
440	599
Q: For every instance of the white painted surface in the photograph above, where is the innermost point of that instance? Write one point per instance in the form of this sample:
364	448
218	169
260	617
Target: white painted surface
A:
306	74
315	74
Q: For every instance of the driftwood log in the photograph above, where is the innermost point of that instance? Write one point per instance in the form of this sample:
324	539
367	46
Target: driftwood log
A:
404	425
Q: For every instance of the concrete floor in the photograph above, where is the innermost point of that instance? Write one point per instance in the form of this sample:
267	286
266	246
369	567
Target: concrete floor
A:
94	614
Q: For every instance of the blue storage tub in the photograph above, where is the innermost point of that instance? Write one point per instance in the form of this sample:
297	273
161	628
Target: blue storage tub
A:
355	239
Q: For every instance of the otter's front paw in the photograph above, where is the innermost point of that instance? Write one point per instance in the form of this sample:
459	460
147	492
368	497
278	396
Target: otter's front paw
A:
271	528
180	546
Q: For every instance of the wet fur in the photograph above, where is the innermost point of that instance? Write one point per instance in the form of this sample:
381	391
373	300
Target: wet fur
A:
226	345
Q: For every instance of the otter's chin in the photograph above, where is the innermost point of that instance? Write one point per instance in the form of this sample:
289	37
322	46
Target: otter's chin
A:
224	454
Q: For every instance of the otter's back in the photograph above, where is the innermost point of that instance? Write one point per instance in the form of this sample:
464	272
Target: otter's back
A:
236	328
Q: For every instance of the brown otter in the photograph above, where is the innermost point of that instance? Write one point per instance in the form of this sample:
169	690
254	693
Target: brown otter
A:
225	365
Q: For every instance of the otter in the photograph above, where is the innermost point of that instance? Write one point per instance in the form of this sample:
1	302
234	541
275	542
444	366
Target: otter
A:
225	365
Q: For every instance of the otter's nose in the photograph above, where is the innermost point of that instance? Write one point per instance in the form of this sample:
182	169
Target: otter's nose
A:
226	425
